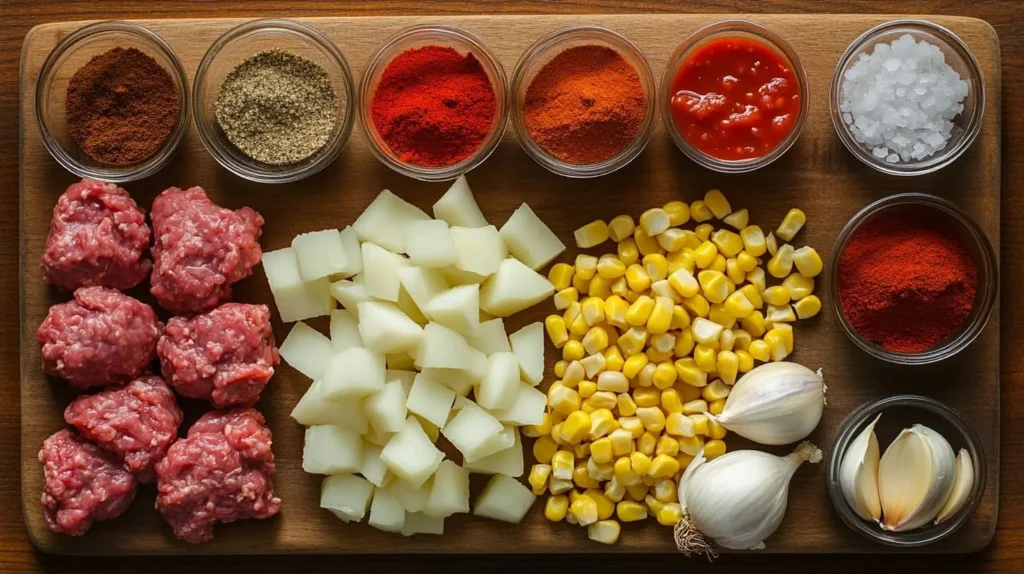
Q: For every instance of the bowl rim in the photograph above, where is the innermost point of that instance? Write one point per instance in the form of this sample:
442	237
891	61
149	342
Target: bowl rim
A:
847	432
980	316
945	156
164	154
619	43
458	37
300	170
775	42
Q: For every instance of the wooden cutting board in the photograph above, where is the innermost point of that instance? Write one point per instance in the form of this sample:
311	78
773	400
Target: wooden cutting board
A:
817	174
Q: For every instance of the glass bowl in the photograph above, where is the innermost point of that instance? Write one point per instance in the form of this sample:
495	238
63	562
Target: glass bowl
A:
433	35
903	411
238	44
733	29
959	57
542	52
66	58
974	241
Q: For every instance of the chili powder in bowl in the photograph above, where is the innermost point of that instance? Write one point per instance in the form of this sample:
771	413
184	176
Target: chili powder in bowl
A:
912	280
583	101
112	102
433	102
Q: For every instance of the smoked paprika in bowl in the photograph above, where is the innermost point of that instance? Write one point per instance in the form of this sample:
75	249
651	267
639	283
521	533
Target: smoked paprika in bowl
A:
912	279
734	96
433	102
583	101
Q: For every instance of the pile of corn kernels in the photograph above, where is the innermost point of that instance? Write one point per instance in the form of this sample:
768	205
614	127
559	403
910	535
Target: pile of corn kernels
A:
653	337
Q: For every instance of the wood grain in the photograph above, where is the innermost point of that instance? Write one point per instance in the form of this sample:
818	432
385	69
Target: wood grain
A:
1007	552
817	174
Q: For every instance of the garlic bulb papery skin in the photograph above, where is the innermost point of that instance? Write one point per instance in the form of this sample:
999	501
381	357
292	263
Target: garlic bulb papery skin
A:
858	474
963	482
915	477
775	404
736	500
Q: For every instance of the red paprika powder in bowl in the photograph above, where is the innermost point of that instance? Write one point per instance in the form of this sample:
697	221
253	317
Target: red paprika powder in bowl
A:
913	279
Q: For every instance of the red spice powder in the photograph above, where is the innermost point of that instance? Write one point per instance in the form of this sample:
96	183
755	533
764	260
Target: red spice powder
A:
433	106
905	283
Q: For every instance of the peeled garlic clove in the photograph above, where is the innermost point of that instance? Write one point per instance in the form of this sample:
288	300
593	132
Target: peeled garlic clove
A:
963	482
915	477
776	403
858	474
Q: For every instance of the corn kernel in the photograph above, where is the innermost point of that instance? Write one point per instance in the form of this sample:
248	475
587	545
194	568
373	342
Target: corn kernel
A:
621	227
587	407
733	271
779	314
595	341
556	434
580	284
671	402
663	466
563	399
646	376
627	251
656	266
622	442
738	305
600	471
640	462
776	344
654	221
688	392
729	243
727	366
716	390
586	266
684	343
726	340
703	232
538	480
717	203
629	511
690	445
581	477
760	350
737	219
807	307
600	287
746	263
612	381
754	324
670	514
601	450
705	254
655	356
714	284
584	509
560	367
604	532
757	279
705	357
646	397
637	278
645	244
752	295
678	424
807	261
699	211
563	465
603	400
586	389
798	286
639	312
623	468
544	448
695	407
566	297
697	305
715	430
593	365
782	262
667	445
776	295
631	368
557	331
576	427
556	507
714	449
718	314
637	490
560	275
632	341
718	264
614	489
680	320
772	244
591	234
652	418
744	360
684	259
664	375
647	481
700	424
672	240
690	372
753	240
678	212
610	267
632	425
539	430
791	224
626	406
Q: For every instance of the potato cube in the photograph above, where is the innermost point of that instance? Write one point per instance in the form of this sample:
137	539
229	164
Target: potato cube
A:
380	272
353	373
455	277
332	449
399	361
374	469
504	498
470	429
350	294
347	496
455	379
294	298
411	455
431	400
406	305
430	244
353	253
528	408
508	461
386	512
403	376
480	250
504	440
512	288
386	410
528	345
500	385
443	348
385	220
422	284
491	338
344	330
385	329
413	498
321	253
449	493
306	350
313	410
457	308
529	240
458	207
420	523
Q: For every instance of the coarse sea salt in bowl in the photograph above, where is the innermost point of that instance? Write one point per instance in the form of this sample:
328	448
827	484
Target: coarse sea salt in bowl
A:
907	97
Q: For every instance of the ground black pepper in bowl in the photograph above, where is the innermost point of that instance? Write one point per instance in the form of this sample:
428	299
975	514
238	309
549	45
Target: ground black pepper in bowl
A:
277	107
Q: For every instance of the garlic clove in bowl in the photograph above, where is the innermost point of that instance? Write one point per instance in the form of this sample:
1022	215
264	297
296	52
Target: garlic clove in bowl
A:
858	474
963	482
915	477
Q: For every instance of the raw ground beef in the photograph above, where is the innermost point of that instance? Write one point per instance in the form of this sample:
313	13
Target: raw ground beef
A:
219	473
103	337
137	422
200	249
225	356
82	484
98	236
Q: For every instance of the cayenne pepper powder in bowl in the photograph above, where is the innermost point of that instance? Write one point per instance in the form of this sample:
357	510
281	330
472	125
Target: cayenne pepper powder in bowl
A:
914	280
583	101
433	102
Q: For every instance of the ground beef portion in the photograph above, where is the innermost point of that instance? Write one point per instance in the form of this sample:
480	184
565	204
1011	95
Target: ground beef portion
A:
82	484
138	422
219	473
200	249
225	356
98	236
103	337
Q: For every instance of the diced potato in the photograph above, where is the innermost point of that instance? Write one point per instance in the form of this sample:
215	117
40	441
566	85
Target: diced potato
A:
449	493
470	429
386	410
420	523
403	376
505	499
422	284
294	298
512	288
499	387
313	410
399	361
378	439
385	329
528	345
380	272
353	373
455	277
385	220
332	449
344	331
502	441
306	350
406	305
431	400
350	294
457	308
445	349
411	455
490	338
529	240
528	408
458	207
455	379
480	250
320	253
508	461
353	253
386	512
430	244
347	496
374	469
413	498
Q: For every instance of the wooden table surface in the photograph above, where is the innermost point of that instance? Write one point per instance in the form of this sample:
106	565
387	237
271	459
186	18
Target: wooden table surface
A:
1007	551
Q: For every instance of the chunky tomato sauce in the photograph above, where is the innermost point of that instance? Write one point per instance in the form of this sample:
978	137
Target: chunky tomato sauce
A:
735	99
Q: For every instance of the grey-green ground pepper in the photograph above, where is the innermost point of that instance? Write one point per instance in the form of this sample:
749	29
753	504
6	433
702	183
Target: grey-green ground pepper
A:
277	107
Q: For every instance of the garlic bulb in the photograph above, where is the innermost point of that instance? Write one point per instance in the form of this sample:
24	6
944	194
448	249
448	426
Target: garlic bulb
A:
776	403
963	482
736	500
858	474
915	477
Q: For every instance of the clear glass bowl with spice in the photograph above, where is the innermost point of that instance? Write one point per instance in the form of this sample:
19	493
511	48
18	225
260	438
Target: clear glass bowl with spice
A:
912	279
274	100
734	96
583	101
112	102
433	102
907	97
